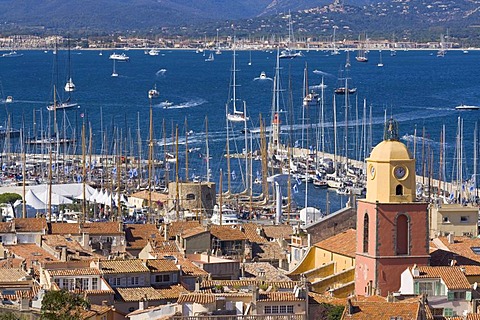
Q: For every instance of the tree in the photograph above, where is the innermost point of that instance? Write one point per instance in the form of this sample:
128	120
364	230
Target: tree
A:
10	198
62	305
10	316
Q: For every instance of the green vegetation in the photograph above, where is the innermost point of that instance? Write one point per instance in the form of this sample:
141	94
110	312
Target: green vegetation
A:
10	198
62	305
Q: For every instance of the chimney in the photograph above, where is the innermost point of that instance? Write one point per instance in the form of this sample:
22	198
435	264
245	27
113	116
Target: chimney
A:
390	297
255	293
24	303
415	271
63	254
143	303
451	238
197	284
350	309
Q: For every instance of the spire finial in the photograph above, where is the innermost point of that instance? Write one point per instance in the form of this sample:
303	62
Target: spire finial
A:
391	130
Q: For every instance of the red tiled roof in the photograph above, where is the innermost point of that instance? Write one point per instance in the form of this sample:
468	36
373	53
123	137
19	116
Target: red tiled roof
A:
123	266
6	227
30	252
160	247
278	297
11	274
30	224
343	243
74	272
193	232
64	228
227	233
161	265
278	232
177	227
368	309
188	268
453	277
251	231
137	235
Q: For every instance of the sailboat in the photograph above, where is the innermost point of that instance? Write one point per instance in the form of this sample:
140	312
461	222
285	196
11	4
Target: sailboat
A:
210	57
69	86
250	59
114	72
361	53
58	104
334	48
236	116
380	62
290	53
442	51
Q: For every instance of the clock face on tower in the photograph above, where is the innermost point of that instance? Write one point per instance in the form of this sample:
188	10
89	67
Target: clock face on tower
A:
400	172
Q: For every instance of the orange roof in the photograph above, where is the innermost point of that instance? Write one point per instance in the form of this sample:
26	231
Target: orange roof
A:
278	232
278	297
193	232
73	272
227	233
381	309
343	243
472	270
200	298
462	247
177	227
164	246
453	277
187	267
30	252
161	265
64	228
101	228
251	232
156	196
123	266
30	224
11	274
137	235
6	227
163	293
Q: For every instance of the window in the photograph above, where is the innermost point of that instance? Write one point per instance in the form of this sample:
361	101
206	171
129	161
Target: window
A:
365	233
290	309
399	190
464	219
426	287
162	278
85	282
476	250
133	281
402	234
267	310
94	284
190	196
459	295
274	309
114	282
283	309
448	312
278	309
445	220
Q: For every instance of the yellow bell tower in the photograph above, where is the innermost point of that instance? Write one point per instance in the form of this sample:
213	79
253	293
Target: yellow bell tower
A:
391	170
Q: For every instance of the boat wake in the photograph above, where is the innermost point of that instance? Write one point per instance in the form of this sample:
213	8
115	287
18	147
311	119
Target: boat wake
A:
323	73
183	105
160	72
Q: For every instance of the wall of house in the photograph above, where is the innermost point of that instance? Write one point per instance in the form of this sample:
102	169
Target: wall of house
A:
456	219
198	243
332	224
127	307
193	309
125	279
173	276
8	238
298	306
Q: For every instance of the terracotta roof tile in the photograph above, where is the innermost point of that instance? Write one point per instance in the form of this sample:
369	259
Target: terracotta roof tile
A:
101	228
74	272
30	252
453	277
139	293
200	298
188	268
278	232
322	298
161	265
472	270
227	233
30	224
156	196
193	232
462	248
278	297
210	284
251	231
56	241
6	227
374	309
11	274
123	266
343	243
274	274
177	227
64	228
160	247
268	251
171	292
137	235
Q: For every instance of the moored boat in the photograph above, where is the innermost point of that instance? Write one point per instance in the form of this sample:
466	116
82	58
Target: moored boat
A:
119	57
467	107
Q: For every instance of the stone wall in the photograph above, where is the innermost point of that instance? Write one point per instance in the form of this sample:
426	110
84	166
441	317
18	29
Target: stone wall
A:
337	222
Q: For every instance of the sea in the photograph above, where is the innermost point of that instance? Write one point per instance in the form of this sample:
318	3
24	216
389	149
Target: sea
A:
416	88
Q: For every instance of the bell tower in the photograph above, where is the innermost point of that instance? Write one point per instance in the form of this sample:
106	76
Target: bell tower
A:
392	227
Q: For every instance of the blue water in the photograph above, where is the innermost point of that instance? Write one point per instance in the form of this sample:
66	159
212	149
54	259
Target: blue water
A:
415	87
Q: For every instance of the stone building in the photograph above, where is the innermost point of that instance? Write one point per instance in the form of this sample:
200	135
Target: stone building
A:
194	197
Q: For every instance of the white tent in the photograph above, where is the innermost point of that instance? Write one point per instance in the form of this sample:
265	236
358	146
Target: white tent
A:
309	215
33	201
56	199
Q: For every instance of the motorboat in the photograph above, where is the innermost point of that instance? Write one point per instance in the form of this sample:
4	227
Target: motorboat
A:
263	75
153	52
119	57
228	217
165	104
12	54
343	90
237	116
290	54
312	99
210	57
9	99
466	107
69	86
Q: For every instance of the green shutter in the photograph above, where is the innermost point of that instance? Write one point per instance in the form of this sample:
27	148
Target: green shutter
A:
468	295
447	312
416	288
450	295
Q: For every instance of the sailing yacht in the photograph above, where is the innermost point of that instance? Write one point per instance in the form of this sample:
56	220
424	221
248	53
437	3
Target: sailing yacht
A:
153	93
380	62
69	86
237	115
58	104
361	53
210	57
114	72
290	53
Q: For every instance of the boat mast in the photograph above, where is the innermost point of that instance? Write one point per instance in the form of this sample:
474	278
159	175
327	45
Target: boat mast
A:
24	172
228	154
220	207
177	191
150	164
186	150
84	194
208	150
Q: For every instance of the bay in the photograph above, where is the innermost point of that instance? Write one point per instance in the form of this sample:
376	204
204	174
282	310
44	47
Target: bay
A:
416	88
